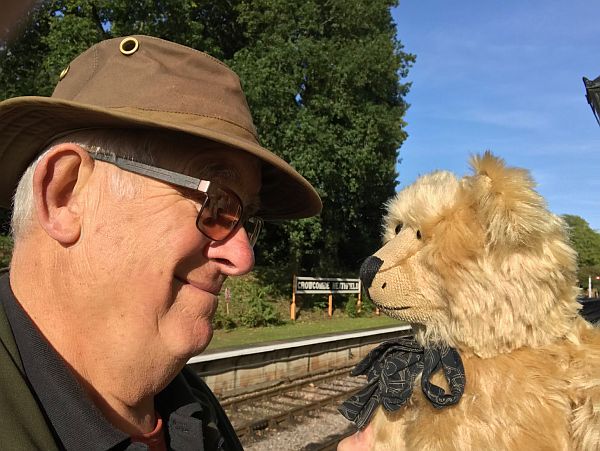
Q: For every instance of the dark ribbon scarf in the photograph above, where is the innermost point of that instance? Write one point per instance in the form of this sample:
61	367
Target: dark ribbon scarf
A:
391	370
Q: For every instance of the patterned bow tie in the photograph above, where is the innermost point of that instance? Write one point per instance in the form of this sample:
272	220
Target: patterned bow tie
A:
391	370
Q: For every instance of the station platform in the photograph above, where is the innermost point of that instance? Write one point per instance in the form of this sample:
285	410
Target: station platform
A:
231	372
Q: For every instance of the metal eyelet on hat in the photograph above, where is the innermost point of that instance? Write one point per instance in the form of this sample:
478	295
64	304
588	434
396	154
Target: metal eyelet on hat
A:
63	73
129	45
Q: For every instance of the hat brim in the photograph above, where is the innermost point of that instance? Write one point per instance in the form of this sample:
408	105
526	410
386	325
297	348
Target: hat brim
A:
28	124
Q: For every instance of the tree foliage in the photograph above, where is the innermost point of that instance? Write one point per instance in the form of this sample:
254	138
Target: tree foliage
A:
323	82
586	243
322	77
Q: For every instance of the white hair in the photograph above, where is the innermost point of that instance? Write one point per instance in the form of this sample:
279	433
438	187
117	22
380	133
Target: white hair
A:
136	145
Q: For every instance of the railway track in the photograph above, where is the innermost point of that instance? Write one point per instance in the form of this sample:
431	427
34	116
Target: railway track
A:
274	406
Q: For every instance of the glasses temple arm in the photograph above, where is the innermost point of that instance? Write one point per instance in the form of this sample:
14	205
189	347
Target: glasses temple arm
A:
151	171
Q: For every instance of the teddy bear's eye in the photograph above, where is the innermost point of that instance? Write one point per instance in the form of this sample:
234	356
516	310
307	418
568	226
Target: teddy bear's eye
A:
398	228
418	234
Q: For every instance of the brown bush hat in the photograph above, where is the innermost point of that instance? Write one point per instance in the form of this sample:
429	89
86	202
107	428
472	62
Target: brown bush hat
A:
148	83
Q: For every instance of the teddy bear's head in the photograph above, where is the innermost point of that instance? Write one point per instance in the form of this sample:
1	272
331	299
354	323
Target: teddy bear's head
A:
478	264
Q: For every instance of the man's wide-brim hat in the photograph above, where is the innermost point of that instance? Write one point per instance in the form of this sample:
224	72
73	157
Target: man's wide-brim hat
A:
142	82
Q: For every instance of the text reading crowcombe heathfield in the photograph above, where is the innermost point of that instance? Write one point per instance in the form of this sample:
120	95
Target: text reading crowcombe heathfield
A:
313	285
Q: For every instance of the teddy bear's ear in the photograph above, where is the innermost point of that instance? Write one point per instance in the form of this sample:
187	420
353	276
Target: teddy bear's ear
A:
511	211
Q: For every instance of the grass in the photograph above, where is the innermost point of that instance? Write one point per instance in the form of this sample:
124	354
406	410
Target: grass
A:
243	336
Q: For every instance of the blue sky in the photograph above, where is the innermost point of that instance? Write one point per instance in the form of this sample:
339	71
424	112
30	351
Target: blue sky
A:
505	76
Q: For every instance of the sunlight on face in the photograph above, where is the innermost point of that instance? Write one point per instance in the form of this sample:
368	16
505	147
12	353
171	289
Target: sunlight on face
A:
157	276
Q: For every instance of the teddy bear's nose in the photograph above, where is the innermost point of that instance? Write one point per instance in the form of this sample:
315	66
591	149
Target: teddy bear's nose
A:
368	270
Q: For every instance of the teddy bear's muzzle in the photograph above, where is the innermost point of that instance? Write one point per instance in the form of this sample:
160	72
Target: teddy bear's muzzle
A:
368	270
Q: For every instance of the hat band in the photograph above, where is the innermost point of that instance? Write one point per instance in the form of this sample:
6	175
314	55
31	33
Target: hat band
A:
187	121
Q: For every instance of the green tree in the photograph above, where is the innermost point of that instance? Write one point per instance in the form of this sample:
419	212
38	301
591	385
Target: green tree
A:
322	78
21	59
586	243
205	25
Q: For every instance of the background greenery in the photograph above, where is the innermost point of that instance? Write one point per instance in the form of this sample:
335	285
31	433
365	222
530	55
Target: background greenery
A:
586	242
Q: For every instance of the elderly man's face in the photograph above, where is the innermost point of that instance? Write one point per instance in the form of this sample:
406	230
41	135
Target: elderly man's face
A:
156	274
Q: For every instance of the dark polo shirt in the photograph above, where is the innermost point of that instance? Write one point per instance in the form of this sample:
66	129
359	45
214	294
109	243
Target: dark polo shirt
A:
192	416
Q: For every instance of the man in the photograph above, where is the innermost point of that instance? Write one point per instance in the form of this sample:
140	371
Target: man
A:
139	186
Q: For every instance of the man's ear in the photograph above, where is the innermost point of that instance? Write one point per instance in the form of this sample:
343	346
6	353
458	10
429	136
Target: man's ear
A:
58	182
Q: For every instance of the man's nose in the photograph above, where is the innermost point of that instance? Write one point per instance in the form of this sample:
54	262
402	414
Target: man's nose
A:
234	255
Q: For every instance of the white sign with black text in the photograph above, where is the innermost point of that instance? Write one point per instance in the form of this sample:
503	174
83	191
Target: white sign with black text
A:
315	285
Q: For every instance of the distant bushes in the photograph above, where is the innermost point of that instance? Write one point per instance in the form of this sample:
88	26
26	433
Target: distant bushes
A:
252	304
351	308
259	313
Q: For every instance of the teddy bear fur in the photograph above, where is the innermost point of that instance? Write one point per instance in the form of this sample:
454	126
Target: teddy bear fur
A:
481	265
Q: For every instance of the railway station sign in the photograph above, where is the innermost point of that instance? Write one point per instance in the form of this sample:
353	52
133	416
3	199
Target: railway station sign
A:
324	285
314	285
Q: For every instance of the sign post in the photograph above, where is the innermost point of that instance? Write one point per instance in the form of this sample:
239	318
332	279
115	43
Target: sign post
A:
324	285
227	299
293	306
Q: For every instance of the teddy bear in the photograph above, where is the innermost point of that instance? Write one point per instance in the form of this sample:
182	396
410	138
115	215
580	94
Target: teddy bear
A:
501	359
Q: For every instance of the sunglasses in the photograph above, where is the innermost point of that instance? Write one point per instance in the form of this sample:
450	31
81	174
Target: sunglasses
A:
221	210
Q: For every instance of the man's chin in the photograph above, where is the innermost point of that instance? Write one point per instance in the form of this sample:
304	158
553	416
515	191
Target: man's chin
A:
186	339
202	339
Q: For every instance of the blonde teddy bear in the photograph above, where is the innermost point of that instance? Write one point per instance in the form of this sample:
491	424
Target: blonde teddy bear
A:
501	359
